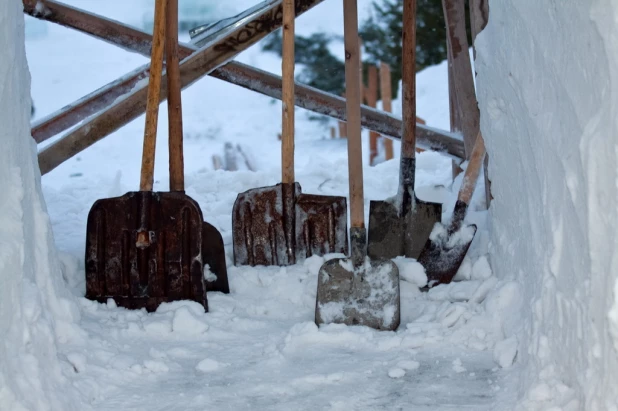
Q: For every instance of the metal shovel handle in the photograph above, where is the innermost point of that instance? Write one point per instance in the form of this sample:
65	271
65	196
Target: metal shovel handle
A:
174	100
352	84
287	78
152	102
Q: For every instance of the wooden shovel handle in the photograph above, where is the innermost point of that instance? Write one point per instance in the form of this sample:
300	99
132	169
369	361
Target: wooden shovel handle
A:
352	83
472	171
408	78
152	102
287	77
174	101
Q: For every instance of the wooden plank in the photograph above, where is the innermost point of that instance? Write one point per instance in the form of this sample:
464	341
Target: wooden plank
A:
479	16
372	100
192	68
387	105
455	17
236	73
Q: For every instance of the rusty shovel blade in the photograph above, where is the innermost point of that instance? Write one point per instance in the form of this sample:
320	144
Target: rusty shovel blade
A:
213	256
280	226
444	252
145	248
364	292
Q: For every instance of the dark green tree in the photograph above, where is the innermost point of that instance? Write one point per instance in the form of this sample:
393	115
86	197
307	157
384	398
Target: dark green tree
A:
381	34
321	69
381	37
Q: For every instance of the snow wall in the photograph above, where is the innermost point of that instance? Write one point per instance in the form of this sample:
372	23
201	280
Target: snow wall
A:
548	92
35	308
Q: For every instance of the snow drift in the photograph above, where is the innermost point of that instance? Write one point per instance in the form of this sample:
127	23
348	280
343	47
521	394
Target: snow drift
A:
34	312
548	96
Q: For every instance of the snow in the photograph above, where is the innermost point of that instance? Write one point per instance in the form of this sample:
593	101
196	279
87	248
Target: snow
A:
36	311
548	96
258	347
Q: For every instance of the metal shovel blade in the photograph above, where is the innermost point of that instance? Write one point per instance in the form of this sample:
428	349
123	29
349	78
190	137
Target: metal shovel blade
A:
145	248
280	226
444	252
213	256
396	230
366	295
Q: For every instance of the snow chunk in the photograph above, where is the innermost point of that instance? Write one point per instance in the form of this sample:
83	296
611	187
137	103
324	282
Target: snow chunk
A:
396	373
208	365
187	323
505	352
411	271
481	269
408	365
457	366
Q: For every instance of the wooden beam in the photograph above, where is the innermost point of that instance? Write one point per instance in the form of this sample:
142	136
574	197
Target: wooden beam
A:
192	68
371	98
387	95
455	17
233	72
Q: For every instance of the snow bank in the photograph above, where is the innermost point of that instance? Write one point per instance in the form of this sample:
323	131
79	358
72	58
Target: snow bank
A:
548	97
34	313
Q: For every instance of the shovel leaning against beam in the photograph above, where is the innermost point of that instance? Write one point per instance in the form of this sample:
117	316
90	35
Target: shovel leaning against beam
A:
357	290
447	245
213	251
145	247
399	226
279	225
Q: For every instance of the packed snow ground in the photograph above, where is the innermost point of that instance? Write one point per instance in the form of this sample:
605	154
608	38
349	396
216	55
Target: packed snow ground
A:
258	348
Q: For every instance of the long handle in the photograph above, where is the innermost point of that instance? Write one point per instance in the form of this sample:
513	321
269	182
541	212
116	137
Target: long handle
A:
152	102
472	171
408	78
287	78
174	100
352	85
468	184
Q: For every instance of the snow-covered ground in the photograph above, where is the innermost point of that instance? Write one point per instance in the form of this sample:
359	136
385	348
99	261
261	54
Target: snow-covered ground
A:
258	347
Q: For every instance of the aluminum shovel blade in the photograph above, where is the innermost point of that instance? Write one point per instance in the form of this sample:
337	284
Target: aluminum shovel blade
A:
366	295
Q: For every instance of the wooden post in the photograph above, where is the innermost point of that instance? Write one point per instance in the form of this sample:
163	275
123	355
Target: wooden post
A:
387	104
372	99
287	143
343	130
479	16
455	17
333	132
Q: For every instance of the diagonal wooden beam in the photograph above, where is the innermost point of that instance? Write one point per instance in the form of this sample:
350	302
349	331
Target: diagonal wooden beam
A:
132	39
214	54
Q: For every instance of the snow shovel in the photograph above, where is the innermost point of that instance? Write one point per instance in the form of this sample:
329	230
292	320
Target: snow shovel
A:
400	225
145	247
213	251
447	245
357	290
279	225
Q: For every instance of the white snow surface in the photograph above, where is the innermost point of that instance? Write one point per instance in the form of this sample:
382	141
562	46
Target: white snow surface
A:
258	347
37	312
548	94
